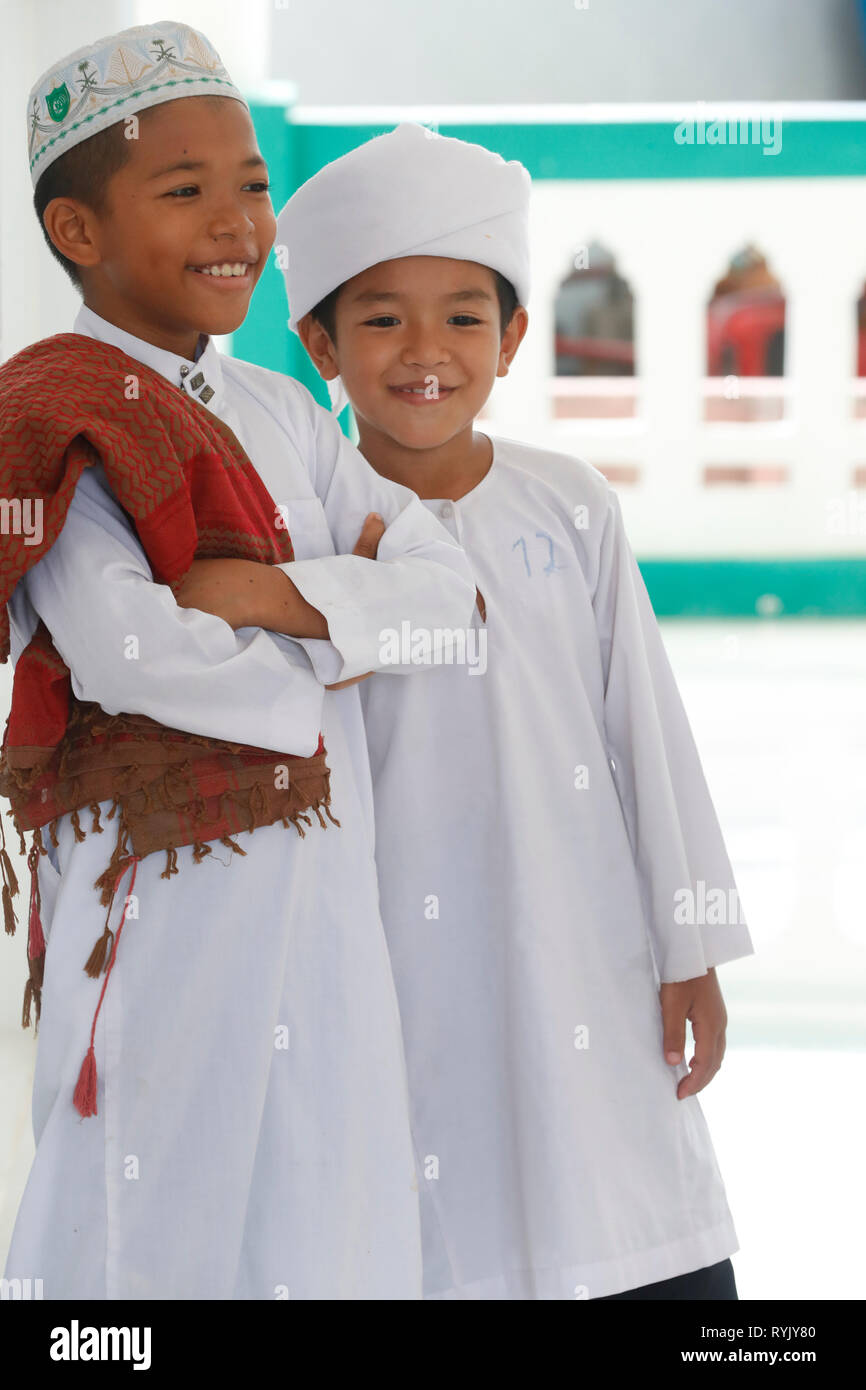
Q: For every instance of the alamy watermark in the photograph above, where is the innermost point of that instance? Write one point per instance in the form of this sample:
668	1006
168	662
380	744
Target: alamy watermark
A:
22	517
77	1343
20	1290
434	646
764	132
707	907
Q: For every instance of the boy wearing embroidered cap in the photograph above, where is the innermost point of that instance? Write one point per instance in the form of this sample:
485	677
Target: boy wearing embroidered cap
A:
531	895
197	589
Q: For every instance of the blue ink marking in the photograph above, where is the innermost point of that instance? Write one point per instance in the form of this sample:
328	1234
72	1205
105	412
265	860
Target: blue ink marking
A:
521	541
551	564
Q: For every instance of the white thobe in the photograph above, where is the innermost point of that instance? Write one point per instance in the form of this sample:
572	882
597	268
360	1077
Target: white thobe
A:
252	1138
534	827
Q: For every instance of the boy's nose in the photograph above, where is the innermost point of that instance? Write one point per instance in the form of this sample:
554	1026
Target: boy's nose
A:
230	220
424	351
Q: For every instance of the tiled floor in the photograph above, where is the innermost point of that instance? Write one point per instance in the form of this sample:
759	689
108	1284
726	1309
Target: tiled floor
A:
779	714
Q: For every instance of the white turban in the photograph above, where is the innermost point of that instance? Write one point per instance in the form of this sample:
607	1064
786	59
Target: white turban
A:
101	84
410	192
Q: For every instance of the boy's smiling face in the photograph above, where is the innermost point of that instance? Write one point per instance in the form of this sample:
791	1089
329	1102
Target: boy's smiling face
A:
419	344
191	198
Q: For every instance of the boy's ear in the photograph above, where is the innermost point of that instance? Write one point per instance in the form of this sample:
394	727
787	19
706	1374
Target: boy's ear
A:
511	339
71	226
319	346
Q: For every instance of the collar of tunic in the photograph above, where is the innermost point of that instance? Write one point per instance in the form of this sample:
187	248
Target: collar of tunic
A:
200	377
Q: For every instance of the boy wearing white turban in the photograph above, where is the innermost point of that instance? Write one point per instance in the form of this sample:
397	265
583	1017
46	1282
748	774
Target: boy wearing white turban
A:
534	863
240	1125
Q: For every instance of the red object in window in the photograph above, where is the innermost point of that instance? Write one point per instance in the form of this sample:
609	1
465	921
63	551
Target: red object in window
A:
745	334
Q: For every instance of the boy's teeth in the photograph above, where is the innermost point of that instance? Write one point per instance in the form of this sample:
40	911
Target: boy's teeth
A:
227	268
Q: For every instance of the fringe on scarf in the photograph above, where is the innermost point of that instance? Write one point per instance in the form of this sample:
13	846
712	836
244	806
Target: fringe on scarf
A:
104	951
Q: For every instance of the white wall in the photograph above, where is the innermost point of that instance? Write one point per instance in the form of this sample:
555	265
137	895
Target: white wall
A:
672	240
36	298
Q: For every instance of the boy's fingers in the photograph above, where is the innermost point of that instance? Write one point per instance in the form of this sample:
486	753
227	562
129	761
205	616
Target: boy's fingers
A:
372	532
700	1001
674	1023
702	1072
709	1050
353	680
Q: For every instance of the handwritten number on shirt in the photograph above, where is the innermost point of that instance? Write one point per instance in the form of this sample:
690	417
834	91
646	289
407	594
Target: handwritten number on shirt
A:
551	560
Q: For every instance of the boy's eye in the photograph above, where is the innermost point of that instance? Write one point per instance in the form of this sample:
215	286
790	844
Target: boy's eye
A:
387	320
259	186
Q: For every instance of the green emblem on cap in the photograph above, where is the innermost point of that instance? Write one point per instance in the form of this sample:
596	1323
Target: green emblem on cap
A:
58	102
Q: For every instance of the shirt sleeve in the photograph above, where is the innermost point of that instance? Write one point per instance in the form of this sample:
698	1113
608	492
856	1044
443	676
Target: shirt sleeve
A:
687	883
132	649
421	574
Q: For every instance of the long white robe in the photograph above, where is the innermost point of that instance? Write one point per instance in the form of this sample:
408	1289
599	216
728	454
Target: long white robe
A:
533	826
252	1137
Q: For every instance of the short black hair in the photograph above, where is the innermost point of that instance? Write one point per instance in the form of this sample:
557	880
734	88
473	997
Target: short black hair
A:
82	173
325	311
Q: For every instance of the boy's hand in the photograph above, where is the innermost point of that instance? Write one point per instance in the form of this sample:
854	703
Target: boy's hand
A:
367	544
699	1000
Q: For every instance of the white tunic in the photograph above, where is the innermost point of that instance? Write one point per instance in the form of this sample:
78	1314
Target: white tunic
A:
252	1138
533	825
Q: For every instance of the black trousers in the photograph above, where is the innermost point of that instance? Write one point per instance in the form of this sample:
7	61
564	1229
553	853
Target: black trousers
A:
714	1281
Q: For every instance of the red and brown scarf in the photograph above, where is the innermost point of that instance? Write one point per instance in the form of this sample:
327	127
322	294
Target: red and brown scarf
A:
186	484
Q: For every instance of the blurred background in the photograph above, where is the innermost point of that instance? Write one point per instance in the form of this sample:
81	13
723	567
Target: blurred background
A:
698	333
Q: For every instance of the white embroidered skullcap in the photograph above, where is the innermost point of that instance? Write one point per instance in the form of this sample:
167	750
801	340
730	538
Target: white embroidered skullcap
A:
116	77
410	192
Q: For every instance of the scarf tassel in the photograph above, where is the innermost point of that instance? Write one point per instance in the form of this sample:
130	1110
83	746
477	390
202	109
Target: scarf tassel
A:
293	819
84	1096
35	937
9	875
8	911
232	844
32	994
96	960
10	884
35	942
170	863
118	863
